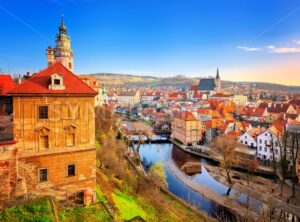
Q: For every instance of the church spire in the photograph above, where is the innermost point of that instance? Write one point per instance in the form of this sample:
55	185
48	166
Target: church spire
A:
62	27
218	76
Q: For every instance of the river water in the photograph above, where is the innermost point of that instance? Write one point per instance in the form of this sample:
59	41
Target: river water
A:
172	156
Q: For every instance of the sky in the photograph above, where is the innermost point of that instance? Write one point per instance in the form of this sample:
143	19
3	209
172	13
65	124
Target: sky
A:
248	40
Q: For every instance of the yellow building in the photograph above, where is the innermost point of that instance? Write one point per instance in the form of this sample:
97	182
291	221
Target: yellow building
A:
240	99
187	129
54	127
128	98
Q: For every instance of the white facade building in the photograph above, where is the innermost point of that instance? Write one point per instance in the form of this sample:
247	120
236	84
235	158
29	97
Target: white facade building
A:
266	142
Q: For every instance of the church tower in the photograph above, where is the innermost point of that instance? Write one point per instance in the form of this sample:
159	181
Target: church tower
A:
218	82
62	51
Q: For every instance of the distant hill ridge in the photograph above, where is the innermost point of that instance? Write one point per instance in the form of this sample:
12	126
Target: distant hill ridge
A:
182	82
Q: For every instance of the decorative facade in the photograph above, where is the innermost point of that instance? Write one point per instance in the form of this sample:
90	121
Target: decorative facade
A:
54	127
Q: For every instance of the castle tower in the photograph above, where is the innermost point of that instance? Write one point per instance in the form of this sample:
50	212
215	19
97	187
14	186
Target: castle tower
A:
218	82
62	51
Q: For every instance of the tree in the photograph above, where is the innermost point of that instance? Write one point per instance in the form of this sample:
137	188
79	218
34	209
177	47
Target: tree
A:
274	164
158	175
283	160
251	168
227	146
294	150
105	121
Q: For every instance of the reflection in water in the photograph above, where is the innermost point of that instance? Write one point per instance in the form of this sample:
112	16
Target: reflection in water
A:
169	153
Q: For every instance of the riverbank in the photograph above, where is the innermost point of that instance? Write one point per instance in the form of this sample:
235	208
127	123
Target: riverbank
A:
208	153
262	189
143	174
226	201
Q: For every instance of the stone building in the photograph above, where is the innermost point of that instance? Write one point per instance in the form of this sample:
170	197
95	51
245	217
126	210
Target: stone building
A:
8	151
128	98
92	81
210	86
54	127
62	51
187	129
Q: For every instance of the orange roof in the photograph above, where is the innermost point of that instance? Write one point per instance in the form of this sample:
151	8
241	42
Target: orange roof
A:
221	95
185	115
39	83
6	84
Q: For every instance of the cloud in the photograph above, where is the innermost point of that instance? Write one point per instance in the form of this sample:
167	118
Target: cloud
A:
248	49
297	42
283	50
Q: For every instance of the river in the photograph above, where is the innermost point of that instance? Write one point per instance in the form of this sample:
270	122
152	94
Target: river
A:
173	157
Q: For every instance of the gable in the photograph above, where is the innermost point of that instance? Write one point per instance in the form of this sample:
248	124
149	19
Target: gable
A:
39	83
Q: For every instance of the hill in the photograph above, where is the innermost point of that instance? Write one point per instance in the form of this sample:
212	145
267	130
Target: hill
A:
126	80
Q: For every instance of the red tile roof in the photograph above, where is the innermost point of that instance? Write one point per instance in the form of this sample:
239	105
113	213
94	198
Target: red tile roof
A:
221	95
186	115
275	107
253	111
38	83
6	84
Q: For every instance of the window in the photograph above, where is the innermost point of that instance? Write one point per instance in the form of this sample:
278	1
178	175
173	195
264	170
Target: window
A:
246	142
260	141
70	139
71	170
43	112
242	141
260	148
70	65
43	175
44	141
276	151
56	81
265	149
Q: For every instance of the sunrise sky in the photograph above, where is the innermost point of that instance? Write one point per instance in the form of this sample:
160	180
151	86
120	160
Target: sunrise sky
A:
248	40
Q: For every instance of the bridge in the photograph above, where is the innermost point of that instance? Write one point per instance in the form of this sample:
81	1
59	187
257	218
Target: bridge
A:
162	128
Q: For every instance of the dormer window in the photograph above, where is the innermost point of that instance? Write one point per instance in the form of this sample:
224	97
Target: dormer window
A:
57	82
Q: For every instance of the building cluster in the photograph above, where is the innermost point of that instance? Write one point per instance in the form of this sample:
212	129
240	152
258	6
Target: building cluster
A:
204	111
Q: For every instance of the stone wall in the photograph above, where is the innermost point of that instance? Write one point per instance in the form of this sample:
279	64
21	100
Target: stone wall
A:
8	169
59	183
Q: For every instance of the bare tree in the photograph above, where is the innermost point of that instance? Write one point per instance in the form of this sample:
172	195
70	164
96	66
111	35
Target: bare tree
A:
227	146
283	160
294	149
273	155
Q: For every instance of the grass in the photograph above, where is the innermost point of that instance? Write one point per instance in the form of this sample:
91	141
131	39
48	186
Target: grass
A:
100	195
89	213
128	206
37	211
81	214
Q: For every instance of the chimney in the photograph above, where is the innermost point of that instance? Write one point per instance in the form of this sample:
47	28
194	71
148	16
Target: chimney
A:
19	79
